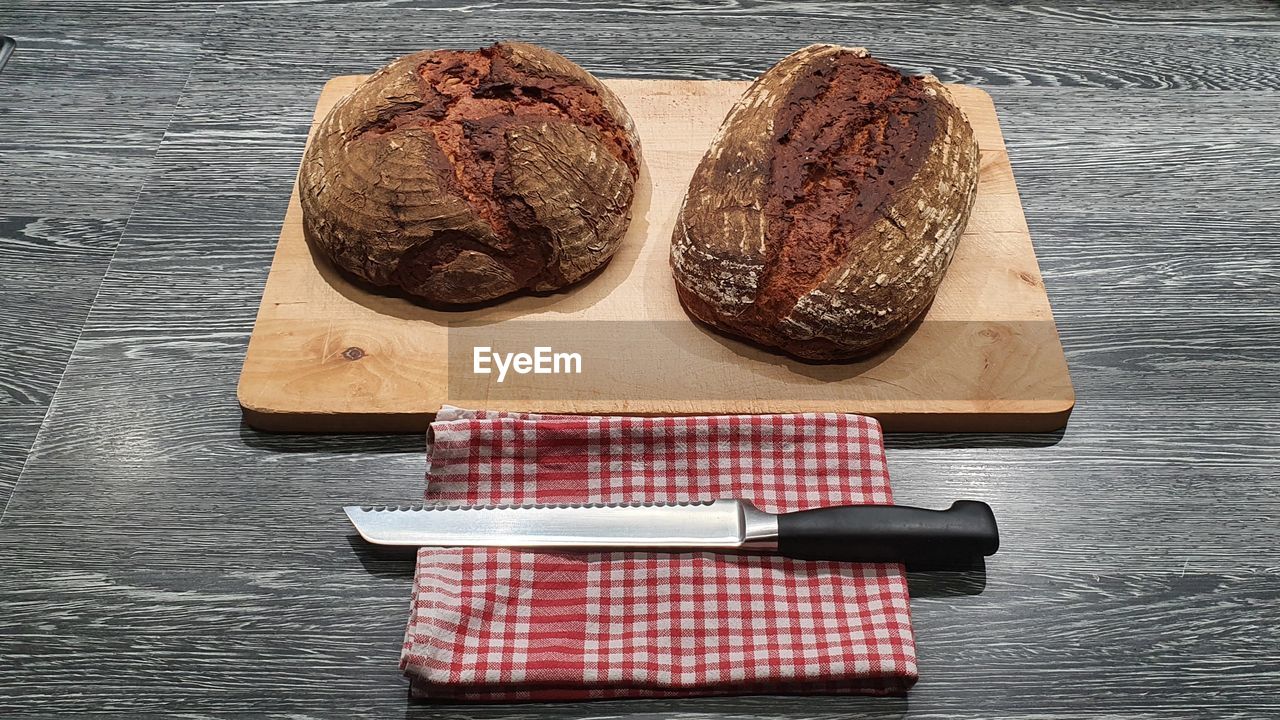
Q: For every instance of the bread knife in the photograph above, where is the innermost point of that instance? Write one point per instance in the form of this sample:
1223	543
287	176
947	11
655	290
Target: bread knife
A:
959	535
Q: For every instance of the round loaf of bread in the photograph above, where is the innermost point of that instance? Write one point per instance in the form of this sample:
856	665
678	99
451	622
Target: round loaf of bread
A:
821	220
464	176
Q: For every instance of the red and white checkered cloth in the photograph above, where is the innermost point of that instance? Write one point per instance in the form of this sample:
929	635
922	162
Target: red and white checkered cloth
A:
503	625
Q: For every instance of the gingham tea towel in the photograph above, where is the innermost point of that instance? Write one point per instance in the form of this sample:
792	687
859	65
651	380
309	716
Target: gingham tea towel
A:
495	625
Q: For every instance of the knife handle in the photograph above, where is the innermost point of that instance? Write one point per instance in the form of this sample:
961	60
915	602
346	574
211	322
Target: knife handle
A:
7	45
920	538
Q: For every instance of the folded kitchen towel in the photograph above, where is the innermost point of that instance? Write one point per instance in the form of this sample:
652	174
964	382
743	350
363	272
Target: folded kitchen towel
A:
499	625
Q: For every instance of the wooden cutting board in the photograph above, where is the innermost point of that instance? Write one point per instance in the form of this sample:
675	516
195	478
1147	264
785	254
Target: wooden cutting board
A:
326	355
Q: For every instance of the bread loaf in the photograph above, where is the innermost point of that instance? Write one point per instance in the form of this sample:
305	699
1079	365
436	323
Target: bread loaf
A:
824	215
465	176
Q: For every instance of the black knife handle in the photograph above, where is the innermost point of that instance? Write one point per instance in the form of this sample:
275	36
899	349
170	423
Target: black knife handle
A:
7	45
920	538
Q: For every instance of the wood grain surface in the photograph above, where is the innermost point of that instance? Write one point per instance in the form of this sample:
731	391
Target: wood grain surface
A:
158	558
85	100
329	355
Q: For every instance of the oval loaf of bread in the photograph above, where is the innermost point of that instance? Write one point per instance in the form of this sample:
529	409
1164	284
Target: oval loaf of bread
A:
464	176
826	211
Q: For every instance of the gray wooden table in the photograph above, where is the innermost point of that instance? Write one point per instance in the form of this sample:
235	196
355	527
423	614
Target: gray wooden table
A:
158	557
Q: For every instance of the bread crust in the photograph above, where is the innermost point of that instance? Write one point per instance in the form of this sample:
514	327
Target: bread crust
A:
828	250
465	176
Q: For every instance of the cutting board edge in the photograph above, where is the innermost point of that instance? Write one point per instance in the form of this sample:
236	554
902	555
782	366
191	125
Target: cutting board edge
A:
1043	416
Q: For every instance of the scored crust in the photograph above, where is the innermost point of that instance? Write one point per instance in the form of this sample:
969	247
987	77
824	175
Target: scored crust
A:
465	176
824	215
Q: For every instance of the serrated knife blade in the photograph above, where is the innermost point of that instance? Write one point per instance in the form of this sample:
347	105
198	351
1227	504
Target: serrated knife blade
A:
862	533
719	525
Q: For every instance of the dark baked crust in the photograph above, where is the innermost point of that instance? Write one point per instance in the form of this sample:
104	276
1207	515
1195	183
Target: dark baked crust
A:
464	176
824	215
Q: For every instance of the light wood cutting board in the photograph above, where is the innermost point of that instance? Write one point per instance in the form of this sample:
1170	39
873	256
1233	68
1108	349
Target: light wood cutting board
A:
326	355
